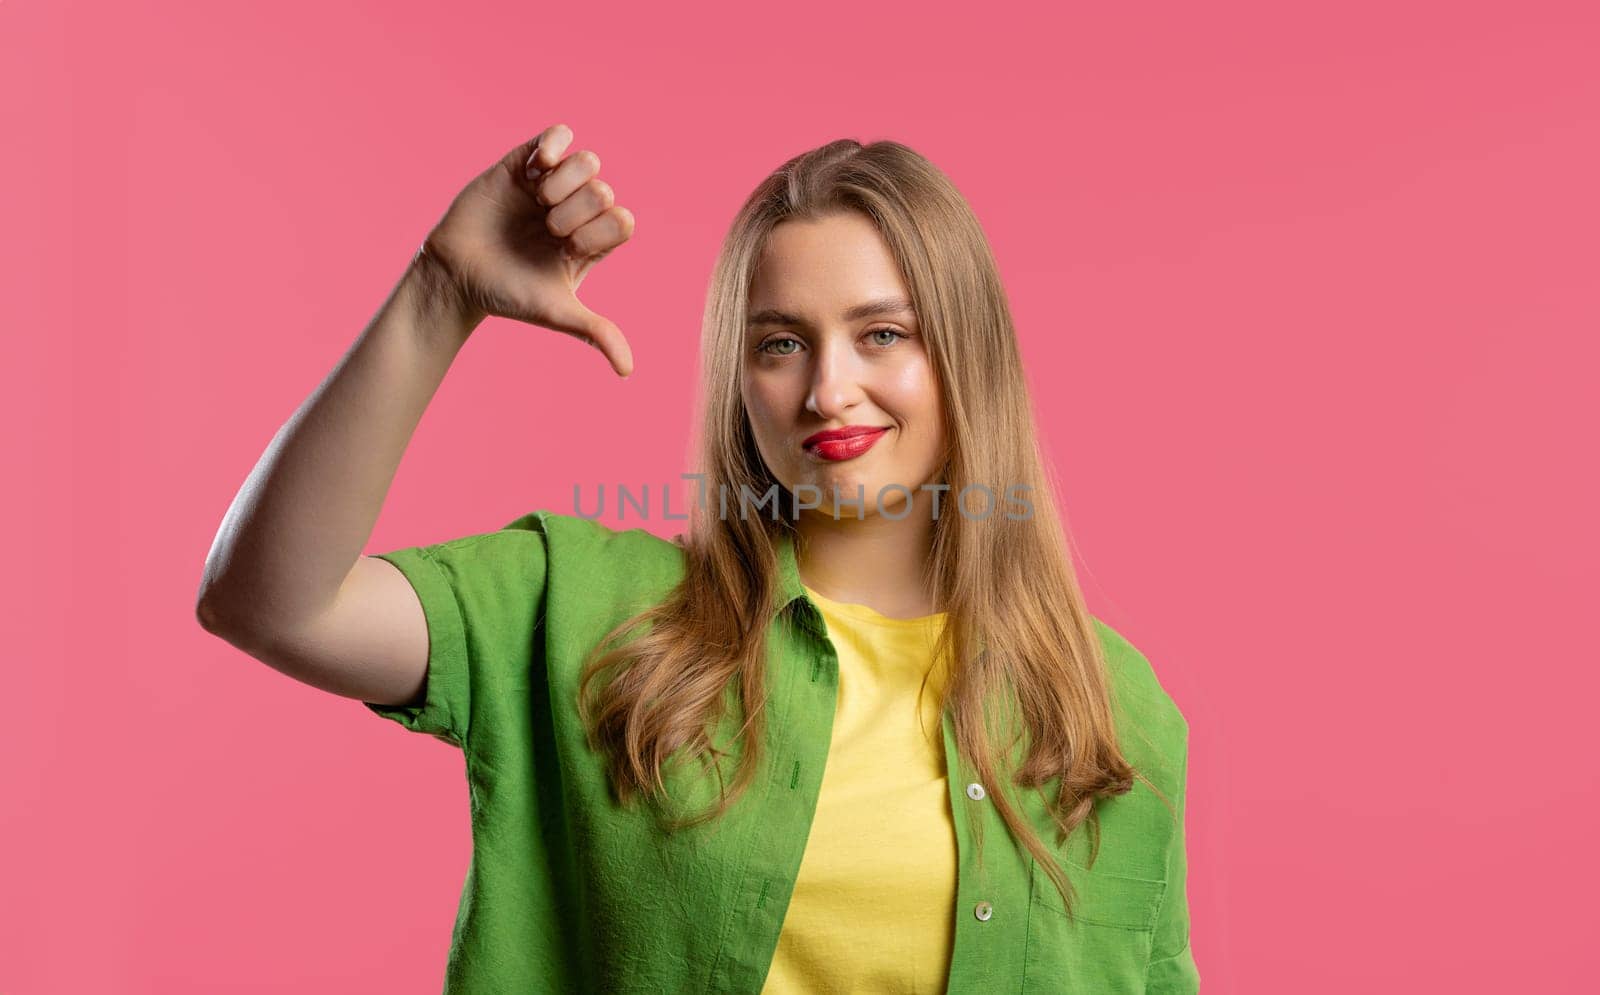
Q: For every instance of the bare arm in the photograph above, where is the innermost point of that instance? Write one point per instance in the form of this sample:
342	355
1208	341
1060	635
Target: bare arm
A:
285	579
283	556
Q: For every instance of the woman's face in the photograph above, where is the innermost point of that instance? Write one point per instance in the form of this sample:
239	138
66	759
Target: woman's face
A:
816	358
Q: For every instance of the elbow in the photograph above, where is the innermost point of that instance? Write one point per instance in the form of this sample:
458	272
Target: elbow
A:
239	624
214	616
227	627
212	619
207	610
222	609
206	615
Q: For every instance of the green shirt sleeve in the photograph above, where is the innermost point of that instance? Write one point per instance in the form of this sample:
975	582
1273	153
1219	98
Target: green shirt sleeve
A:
483	598
1172	969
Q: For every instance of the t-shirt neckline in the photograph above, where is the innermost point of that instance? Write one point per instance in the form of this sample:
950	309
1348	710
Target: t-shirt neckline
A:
867	614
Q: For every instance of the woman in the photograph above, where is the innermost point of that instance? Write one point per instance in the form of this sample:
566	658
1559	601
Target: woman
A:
745	760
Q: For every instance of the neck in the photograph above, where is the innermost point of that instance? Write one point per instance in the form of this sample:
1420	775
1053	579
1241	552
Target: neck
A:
872	560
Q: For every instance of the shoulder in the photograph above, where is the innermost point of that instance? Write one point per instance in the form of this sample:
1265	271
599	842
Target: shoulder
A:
1150	724
607	567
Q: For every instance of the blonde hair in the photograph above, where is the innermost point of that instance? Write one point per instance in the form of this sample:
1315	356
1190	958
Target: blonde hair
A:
1017	621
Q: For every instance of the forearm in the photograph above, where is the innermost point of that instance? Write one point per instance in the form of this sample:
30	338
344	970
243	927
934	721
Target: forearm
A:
304	514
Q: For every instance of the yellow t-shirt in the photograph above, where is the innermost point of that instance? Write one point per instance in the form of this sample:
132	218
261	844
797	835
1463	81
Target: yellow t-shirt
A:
873	906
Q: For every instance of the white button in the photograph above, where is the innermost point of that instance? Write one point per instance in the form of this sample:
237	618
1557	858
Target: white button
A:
975	792
983	911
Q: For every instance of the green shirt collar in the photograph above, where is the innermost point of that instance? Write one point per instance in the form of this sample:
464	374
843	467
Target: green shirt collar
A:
789	585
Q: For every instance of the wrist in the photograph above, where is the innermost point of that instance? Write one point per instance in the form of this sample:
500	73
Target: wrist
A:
436	299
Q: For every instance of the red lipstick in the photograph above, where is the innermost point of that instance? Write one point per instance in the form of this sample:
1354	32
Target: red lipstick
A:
843	443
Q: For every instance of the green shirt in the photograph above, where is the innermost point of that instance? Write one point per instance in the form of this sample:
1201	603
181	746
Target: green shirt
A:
569	891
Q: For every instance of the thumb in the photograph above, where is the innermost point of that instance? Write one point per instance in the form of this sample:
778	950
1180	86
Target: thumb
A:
575	318
529	160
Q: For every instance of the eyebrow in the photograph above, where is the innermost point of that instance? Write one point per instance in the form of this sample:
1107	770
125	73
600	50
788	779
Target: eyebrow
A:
870	309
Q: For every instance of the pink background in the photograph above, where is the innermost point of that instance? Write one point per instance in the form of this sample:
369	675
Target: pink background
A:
1308	301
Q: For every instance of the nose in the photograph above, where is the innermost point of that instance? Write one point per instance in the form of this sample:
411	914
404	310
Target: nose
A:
835	381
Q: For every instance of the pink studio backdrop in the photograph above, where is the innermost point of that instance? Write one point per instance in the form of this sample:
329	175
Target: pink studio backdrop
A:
1308	301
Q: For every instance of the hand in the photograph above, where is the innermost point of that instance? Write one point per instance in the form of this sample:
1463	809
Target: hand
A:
520	238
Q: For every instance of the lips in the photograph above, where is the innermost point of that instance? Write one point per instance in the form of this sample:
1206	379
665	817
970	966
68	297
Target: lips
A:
848	432
844	443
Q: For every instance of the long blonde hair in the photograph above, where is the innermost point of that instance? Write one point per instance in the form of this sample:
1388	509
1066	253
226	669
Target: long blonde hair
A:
1017	621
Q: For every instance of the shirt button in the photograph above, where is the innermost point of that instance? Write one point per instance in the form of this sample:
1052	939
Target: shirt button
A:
983	911
975	792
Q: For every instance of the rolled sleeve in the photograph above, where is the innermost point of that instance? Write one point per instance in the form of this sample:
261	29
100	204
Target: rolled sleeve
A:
445	708
483	598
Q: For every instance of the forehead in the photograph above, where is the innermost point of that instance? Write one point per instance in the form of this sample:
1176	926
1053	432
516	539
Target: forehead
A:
820	268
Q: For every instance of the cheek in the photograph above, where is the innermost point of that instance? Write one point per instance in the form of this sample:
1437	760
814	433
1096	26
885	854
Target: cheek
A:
916	396
762	404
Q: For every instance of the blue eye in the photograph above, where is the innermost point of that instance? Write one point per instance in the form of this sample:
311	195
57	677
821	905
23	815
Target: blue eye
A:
763	346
